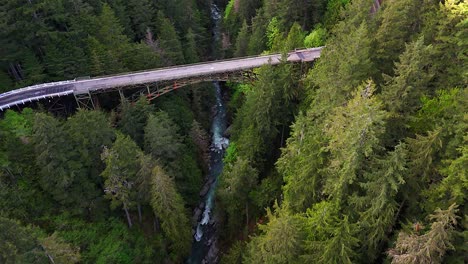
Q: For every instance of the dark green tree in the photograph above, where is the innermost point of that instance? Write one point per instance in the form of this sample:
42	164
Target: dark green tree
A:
133	118
120	174
242	41
169	40
237	180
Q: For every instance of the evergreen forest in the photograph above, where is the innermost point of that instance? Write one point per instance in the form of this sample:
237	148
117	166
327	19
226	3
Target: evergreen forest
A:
358	157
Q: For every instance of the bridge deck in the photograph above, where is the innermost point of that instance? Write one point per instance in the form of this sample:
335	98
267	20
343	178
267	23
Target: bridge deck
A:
77	87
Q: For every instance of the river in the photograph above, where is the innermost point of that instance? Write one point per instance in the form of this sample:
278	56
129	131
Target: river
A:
204	248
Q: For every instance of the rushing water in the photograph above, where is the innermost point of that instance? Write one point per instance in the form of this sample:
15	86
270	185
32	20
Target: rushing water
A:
205	235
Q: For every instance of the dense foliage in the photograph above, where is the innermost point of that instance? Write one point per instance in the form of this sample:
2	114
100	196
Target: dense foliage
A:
360	157
374	168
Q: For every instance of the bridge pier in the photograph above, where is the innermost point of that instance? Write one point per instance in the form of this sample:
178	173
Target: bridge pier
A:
85	101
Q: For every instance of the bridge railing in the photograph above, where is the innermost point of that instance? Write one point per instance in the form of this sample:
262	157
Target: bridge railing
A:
202	63
34	87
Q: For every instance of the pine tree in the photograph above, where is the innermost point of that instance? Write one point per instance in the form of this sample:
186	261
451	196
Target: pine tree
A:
295	38
133	119
399	21
162	140
354	131
122	166
236	183
302	162
242	41
140	13
344	64
402	92
59	251
169	208
89	131
340	247
430	247
169	40
257	40
55	157
19	244
381	185
190	50
316	38
281	239
450	43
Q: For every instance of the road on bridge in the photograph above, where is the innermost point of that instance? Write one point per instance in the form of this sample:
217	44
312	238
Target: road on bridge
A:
77	87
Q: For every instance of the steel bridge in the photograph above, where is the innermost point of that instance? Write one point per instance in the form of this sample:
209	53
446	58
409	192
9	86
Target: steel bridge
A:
153	83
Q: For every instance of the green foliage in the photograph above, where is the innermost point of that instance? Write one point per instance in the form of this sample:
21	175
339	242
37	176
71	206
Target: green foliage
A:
429	247
19	244
169	208
133	118
301	163
237	181
345	63
161	137
122	166
242	41
333	13
268	106
60	251
280	241
316	38
354	131
398	22
169	41
295	38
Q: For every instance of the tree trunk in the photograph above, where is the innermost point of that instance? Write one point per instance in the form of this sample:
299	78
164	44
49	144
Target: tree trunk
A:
247	215
139	212
129	220
156	224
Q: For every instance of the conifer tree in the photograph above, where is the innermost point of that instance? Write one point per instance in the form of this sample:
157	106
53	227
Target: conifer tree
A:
169	40
236	183
345	63
354	131
190	48
59	251
302	162
257	40
381	185
399	21
140	13
242	41
295	38
402	92
55	157
430	247
162	140
281	239
19	244
122	166
169	208
133	118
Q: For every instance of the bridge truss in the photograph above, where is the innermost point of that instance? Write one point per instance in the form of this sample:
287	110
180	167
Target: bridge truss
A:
154	90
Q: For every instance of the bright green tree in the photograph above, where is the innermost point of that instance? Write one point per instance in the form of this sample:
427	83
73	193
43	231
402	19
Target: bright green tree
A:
169	208
354	131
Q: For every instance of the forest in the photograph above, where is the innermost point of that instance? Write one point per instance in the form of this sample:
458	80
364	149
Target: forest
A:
358	157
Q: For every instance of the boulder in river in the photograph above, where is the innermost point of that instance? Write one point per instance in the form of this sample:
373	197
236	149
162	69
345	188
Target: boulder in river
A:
205	190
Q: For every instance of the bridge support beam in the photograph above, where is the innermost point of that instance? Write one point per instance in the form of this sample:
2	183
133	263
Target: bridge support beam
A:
85	101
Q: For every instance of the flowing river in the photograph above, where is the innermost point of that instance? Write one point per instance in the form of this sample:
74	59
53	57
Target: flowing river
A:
204	248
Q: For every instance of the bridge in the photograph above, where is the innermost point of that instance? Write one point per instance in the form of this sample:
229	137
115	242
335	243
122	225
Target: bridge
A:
154	83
